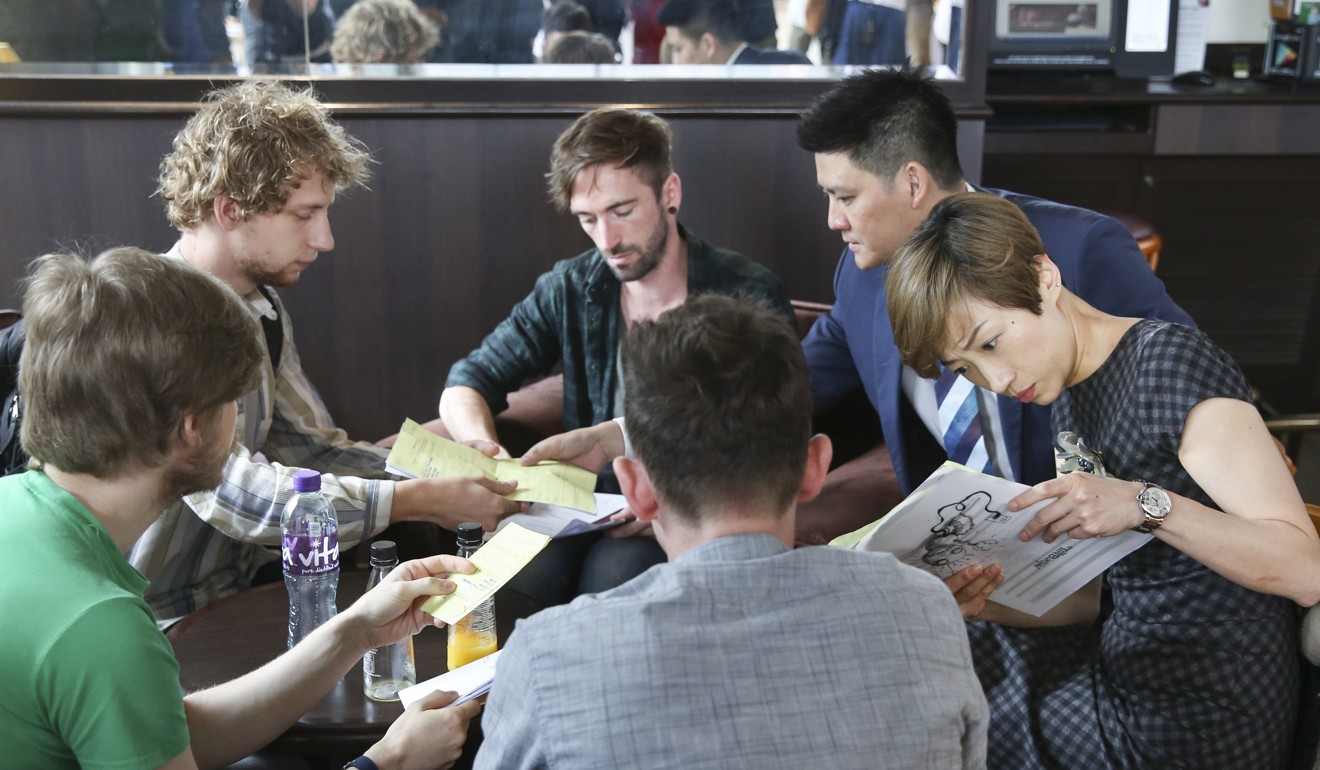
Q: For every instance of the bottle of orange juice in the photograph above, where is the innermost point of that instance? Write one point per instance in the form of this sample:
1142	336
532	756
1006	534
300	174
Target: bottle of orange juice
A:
473	637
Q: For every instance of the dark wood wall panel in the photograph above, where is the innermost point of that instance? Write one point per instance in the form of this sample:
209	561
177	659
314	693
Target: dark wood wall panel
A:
1242	254
66	183
454	230
1241	247
1094	182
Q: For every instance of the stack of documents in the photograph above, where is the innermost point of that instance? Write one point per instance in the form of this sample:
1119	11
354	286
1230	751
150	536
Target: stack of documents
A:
471	681
559	521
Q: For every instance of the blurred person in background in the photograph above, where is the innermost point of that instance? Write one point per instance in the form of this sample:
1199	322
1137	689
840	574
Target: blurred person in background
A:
489	31
383	32
285	37
560	17
581	48
709	32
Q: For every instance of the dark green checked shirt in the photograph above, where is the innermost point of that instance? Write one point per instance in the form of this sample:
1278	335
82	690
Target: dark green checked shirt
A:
573	315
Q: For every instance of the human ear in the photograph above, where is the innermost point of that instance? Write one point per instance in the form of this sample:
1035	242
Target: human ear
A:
671	193
1048	278
916	180
635	483
228	214
708	45
819	453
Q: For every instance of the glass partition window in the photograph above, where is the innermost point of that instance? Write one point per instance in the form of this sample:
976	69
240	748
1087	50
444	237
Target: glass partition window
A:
253	36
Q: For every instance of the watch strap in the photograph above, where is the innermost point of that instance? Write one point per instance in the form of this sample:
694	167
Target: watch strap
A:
362	763
1151	521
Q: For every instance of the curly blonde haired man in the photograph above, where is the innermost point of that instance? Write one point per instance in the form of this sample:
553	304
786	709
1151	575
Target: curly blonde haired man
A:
383	32
249	185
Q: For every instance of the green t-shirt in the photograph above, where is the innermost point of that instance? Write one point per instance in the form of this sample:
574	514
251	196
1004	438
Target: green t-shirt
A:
86	678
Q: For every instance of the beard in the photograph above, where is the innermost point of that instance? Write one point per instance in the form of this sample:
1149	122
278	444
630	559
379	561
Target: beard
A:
199	471
262	276
648	257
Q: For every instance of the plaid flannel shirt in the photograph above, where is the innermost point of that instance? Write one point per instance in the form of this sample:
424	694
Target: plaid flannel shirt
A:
573	316
208	545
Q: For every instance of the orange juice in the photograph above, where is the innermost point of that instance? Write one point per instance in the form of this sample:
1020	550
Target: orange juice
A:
467	645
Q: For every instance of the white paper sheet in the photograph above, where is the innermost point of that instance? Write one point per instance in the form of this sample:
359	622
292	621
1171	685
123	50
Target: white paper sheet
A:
959	517
470	681
558	521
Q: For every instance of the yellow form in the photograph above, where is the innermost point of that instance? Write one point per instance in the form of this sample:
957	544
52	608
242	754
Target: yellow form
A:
419	453
497	562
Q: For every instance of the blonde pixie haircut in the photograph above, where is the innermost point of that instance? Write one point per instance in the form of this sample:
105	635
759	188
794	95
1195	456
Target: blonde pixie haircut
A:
254	142
119	350
383	31
972	246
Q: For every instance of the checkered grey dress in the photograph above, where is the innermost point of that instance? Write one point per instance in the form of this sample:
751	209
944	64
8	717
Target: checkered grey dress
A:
1188	670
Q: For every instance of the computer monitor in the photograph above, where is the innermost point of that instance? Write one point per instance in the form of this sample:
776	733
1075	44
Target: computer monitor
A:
1134	38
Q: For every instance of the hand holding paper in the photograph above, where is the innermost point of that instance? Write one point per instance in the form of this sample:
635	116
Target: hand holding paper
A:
471	681
497	562
419	453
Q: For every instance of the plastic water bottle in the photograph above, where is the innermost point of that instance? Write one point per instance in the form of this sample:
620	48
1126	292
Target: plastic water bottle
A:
472	637
309	544
388	669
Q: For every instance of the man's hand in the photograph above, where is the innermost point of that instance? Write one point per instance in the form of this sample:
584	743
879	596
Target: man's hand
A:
429	735
587	448
452	500
972	586
487	448
467	416
392	610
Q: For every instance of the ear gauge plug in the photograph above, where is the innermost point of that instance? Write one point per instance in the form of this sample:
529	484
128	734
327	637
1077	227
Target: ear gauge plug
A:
673	209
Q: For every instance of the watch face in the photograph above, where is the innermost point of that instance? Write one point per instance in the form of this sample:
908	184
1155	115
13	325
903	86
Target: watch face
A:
1155	501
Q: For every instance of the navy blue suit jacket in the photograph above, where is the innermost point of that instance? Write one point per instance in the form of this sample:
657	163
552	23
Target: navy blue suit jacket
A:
757	55
852	346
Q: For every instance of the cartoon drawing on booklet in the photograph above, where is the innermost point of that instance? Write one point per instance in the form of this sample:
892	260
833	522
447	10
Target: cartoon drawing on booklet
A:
962	532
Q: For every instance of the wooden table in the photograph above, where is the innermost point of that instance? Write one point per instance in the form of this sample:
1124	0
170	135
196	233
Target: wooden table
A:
240	633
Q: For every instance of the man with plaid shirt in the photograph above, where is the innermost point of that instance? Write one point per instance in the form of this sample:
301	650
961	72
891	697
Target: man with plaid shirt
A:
611	169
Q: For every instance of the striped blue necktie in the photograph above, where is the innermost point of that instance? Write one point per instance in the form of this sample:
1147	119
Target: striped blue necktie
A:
960	422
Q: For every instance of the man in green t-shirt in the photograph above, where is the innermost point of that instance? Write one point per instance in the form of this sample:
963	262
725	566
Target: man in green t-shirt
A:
129	372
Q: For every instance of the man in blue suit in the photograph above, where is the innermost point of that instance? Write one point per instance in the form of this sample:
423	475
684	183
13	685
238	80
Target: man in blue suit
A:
710	32
886	152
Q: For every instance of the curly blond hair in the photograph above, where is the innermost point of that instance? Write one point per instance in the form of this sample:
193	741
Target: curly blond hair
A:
254	142
383	31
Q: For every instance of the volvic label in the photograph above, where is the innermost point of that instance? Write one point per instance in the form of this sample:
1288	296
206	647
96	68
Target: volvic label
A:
305	555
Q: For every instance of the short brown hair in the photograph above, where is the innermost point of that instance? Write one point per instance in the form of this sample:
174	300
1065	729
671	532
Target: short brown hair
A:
718	404
581	48
971	246
383	31
613	137
255	142
119	350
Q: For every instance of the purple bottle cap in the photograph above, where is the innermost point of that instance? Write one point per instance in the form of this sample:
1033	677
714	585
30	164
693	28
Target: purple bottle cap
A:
306	481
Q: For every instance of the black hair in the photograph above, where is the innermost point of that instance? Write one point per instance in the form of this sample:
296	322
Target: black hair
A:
884	118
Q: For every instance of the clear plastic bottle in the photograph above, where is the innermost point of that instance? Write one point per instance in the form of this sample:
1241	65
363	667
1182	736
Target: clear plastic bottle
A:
388	669
472	637
309	545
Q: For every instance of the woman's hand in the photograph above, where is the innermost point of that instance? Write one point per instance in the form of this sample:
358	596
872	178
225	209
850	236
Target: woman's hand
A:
972	586
1086	506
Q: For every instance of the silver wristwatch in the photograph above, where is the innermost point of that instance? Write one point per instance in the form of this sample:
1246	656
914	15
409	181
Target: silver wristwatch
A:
1156	504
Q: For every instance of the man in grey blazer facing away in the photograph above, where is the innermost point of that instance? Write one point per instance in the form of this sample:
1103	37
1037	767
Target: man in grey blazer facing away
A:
740	652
